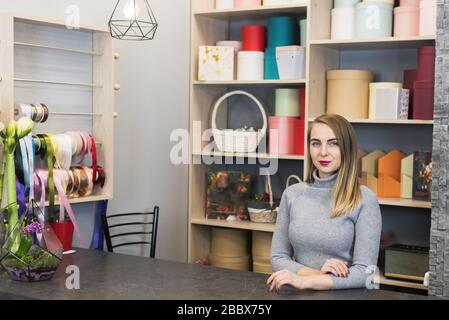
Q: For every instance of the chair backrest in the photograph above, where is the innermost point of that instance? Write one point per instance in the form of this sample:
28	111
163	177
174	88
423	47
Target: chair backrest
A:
111	237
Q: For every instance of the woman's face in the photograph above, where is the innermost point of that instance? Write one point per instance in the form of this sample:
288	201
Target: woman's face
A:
324	150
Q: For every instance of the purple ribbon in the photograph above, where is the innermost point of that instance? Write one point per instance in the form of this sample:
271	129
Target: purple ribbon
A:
20	189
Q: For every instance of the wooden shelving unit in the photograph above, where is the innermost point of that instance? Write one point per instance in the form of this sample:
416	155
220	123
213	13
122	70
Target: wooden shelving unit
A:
208	26
72	71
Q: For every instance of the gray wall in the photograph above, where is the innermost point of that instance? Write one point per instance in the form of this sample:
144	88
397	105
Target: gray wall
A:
439	242
153	101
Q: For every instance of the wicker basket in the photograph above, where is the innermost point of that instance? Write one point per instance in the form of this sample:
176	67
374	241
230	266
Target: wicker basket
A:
229	140
267	214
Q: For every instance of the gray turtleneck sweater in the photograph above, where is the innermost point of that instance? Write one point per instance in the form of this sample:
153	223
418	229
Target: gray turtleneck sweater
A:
305	230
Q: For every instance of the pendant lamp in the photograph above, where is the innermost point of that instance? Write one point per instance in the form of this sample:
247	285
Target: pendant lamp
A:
133	20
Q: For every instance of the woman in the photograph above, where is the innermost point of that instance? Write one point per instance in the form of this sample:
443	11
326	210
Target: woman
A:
330	224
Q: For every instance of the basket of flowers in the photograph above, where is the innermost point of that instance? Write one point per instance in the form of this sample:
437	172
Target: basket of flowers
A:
238	140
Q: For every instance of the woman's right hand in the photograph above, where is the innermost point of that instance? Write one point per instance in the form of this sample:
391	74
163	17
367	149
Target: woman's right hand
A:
337	267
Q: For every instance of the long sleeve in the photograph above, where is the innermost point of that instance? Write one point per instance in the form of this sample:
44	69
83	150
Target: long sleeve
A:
368	228
281	248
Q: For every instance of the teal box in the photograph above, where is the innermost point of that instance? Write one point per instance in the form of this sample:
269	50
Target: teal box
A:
374	20
345	3
282	31
271	68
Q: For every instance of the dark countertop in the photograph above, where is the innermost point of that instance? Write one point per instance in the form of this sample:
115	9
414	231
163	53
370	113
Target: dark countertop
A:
112	276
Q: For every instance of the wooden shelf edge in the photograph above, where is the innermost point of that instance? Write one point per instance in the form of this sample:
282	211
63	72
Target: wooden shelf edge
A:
402	122
93	198
250	83
57	23
248	155
256	10
372	41
244	225
401	283
400	202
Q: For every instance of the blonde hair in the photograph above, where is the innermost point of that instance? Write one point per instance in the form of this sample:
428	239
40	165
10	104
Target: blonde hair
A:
346	194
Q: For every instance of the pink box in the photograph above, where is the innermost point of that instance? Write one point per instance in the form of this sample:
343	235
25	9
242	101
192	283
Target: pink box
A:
406	21
247	3
409	3
282	135
428	18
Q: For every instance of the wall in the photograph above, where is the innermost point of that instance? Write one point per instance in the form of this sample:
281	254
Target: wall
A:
154	76
439	241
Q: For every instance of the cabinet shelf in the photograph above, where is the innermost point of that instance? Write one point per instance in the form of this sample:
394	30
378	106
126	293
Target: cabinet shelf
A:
248	155
38	46
376	43
401	283
259	83
92	198
259	12
387	122
410	203
244	225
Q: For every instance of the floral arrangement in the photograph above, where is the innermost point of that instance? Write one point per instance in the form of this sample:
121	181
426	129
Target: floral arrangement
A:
26	254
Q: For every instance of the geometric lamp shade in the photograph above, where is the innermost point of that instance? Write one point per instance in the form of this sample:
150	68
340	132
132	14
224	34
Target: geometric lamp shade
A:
133	20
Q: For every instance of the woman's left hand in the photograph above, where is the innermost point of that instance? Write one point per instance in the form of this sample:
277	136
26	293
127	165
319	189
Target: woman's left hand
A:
285	277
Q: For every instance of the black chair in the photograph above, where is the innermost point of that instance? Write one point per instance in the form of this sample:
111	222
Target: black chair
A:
151	234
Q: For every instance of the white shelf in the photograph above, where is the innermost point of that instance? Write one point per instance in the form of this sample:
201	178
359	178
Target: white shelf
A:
244	225
384	43
259	12
249	155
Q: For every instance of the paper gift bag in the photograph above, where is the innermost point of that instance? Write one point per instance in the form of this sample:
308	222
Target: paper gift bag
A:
388	183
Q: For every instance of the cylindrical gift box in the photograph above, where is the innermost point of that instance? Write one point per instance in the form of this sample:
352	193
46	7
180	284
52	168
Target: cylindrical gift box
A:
224	4
282	135
345	3
426	63
303	32
287	103
406	21
64	232
254	38
281	31
237	45
271	69
229	243
409	3
236	263
247	3
302	95
428	18
261	246
299	137
250	65
410	76
373	94
348	93
423	96
275	2
374	19
343	23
